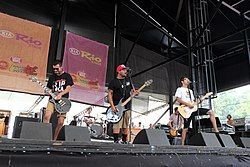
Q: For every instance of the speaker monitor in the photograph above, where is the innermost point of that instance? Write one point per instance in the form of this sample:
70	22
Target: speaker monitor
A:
18	125
226	141
204	139
153	137
245	141
36	131
74	133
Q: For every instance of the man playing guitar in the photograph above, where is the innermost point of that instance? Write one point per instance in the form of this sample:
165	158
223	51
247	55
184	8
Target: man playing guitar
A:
175	122
185	96
120	88
60	82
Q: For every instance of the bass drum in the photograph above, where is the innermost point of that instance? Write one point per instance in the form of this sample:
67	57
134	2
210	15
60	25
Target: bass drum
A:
96	130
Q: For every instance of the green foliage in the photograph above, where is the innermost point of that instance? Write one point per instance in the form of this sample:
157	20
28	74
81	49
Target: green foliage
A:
235	102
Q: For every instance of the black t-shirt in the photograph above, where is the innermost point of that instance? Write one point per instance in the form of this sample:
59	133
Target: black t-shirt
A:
121	90
59	83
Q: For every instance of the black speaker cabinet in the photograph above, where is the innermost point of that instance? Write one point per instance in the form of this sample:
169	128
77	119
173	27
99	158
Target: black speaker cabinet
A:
204	139
153	137
74	133
36	131
18	125
226	140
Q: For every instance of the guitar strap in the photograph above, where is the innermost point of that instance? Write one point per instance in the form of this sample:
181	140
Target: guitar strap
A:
190	95
123	85
189	92
178	118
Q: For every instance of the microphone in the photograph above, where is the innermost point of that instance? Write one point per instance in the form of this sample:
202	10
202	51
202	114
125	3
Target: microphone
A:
129	71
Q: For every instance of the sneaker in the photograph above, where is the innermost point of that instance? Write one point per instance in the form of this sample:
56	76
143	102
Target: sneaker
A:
124	142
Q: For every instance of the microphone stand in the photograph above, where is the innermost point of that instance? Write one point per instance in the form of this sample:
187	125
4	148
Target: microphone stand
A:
198	113
196	98
130	119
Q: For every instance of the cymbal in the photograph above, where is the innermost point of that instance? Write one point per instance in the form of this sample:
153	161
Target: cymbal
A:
89	116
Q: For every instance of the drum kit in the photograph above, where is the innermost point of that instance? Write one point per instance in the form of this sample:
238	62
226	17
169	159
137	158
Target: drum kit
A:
97	126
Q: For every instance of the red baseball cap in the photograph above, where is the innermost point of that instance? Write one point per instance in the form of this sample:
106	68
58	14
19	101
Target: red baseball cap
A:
120	67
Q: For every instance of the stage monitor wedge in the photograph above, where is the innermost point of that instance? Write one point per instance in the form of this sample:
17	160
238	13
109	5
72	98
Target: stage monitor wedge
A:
74	134
226	141
205	139
153	137
36	131
245	141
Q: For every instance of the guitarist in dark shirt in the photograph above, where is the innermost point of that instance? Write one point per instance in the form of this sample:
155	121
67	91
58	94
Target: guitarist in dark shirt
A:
120	88
61	83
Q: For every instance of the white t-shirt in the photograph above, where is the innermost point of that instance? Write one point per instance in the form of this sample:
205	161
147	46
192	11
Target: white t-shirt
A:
183	94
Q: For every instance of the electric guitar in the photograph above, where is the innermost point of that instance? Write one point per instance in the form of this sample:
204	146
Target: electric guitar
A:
115	117
173	132
62	106
186	112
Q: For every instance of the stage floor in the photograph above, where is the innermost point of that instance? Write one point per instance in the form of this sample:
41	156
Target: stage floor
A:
19	152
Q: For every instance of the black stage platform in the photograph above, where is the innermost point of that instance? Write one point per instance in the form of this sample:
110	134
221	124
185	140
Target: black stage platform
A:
33	153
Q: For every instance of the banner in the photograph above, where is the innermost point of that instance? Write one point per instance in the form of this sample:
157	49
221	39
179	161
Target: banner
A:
24	49
86	61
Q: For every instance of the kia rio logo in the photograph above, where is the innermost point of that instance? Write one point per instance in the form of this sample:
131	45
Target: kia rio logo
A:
6	34
74	51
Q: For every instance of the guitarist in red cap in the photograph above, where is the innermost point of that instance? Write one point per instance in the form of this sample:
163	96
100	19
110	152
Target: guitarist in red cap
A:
121	88
185	97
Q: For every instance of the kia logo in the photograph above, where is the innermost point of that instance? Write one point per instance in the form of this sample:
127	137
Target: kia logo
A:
6	34
74	51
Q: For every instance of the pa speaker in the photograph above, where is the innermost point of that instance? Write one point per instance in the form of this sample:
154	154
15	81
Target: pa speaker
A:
245	141
19	123
153	137
226	140
74	133
36	131
204	139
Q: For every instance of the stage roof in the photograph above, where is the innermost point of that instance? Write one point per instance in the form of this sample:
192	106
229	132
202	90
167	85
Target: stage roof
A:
153	24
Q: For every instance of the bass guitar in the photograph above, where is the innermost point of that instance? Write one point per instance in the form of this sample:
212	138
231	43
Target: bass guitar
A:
62	106
186	112
115	117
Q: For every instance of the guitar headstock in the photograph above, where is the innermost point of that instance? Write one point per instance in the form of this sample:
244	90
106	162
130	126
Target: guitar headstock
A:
33	79
148	82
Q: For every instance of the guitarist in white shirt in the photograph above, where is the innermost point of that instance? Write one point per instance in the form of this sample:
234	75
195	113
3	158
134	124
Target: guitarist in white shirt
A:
185	96
120	88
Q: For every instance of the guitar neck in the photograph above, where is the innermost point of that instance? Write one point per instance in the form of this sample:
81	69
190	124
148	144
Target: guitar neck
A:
201	99
128	99
46	89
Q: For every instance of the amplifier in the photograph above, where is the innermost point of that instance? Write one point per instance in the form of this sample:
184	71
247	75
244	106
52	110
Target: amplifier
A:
239	128
19	123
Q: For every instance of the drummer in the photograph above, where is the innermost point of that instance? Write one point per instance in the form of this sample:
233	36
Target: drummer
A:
88	118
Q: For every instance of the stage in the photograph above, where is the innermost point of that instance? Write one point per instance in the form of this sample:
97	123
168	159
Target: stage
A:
19	152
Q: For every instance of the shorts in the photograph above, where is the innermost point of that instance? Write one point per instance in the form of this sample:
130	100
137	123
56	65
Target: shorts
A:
124	122
202	111
51	108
